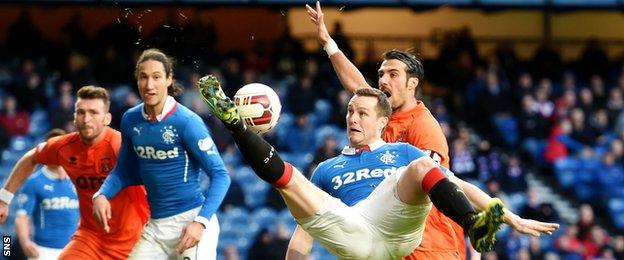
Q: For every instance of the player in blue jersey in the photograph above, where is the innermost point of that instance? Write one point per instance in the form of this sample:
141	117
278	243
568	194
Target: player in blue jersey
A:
388	224
164	146
48	199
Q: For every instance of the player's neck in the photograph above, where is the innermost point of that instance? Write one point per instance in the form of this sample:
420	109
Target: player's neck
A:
95	140
154	111
409	104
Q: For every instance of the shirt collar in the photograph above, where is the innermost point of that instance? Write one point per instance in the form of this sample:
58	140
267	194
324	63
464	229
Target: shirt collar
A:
169	106
348	150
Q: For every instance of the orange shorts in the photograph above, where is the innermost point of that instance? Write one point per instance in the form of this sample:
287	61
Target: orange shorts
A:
439	255
86	244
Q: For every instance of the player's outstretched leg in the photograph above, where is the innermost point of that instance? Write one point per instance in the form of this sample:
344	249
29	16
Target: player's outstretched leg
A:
302	198
260	155
483	232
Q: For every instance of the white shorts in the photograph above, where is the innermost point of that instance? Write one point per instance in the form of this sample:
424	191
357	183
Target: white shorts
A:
378	227
47	253
161	236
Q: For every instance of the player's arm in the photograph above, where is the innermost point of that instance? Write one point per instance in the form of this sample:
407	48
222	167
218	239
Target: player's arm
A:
201	146
125	173
480	200
19	174
349	75
300	245
27	200
198	142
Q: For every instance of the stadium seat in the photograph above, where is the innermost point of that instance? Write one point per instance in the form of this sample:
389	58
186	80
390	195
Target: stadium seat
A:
264	216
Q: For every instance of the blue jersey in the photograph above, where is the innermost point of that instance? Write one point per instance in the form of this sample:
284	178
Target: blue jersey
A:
352	177
166	156
52	205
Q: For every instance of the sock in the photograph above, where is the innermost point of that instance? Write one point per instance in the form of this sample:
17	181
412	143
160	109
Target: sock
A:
448	198
237	127
263	158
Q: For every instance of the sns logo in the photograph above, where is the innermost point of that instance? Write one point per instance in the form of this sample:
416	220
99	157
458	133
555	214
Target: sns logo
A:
148	152
59	203
361	174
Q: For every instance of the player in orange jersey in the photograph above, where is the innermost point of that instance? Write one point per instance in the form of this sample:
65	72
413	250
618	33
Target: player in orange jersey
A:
88	156
412	122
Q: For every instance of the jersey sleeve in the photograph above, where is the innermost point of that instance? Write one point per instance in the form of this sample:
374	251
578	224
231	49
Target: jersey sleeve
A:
126	171
429	137
201	147
317	176
27	197
47	152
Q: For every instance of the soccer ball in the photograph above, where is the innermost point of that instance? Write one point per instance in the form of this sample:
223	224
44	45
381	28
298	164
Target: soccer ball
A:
259	107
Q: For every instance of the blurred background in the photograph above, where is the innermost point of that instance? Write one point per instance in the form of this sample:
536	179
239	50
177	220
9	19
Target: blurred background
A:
529	94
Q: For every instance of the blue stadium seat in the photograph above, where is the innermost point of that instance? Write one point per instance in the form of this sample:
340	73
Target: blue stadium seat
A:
566	170
322	111
264	216
235	215
39	123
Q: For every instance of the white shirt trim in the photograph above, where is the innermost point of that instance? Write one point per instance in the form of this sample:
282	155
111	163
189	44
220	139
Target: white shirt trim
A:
348	150
169	105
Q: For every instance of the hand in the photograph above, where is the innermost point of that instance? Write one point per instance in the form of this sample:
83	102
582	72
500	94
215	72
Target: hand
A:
316	16
31	250
190	236
531	227
102	211
4	212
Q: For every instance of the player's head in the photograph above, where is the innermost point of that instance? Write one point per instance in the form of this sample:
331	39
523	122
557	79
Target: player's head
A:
91	114
399	75
367	115
54	133
154	75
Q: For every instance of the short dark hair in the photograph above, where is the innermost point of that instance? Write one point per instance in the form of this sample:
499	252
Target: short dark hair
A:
383	107
54	133
413	66
157	55
93	92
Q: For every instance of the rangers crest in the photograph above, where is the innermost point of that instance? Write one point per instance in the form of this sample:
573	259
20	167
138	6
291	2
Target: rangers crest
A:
387	157
169	134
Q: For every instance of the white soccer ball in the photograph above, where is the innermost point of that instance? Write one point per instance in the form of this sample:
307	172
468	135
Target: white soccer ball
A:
259	107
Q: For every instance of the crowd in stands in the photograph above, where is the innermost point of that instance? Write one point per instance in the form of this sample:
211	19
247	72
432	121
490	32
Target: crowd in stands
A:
503	117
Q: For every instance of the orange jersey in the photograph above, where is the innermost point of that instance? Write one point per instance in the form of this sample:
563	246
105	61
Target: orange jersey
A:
87	167
419	128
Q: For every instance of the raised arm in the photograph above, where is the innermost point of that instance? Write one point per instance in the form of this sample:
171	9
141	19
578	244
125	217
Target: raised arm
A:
300	245
527	226
19	174
349	75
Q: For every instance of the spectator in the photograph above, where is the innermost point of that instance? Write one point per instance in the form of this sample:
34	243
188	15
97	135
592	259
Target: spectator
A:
463	161
328	149
568	244
15	120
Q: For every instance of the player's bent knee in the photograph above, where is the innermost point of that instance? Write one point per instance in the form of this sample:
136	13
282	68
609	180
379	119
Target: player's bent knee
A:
421	166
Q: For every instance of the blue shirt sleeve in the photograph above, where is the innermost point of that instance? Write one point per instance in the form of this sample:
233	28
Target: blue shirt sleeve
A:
316	177
200	146
27	197
126	171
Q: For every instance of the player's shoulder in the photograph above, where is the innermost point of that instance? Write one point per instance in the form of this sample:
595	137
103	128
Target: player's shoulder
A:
133	113
332	162
59	141
36	177
397	146
184	112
